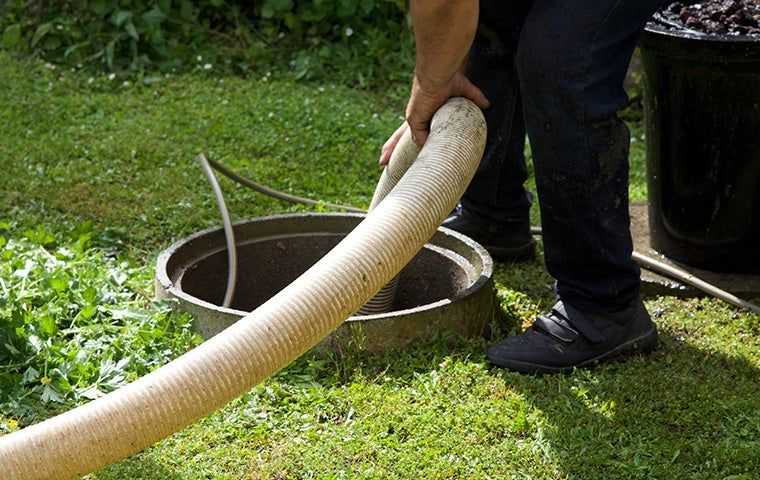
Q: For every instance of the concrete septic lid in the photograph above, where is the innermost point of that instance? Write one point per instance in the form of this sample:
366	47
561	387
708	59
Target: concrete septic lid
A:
447	287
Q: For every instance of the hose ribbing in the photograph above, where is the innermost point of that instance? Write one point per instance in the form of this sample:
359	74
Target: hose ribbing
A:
403	156
199	382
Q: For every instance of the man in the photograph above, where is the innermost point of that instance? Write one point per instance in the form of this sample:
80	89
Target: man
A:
553	69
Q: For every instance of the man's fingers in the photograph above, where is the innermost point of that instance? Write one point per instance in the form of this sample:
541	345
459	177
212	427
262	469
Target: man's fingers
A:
470	91
390	145
419	132
385	154
387	151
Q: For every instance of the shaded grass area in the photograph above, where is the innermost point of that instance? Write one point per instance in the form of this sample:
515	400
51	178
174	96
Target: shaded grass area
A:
122	157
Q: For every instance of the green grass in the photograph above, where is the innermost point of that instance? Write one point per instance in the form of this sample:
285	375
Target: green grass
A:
122	158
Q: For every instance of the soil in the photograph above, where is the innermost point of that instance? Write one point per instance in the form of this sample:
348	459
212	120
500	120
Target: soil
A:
718	17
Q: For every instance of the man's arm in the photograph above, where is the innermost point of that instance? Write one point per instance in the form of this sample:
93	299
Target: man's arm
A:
443	33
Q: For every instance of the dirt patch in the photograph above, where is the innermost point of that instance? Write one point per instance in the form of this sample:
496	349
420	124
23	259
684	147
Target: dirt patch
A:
717	17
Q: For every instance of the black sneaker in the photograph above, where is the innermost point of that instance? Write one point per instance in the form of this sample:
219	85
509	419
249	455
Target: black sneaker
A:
565	339
505	241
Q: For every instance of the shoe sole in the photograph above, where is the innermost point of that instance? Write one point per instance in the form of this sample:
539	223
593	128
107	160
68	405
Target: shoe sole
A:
523	253
642	344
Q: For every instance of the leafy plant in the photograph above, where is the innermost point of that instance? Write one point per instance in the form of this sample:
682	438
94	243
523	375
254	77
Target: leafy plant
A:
326	18
119	34
74	324
139	35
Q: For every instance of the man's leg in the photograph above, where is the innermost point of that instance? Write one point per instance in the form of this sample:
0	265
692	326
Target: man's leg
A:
497	191
494	209
572	60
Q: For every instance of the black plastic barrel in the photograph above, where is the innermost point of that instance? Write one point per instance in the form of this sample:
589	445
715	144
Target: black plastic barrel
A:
702	110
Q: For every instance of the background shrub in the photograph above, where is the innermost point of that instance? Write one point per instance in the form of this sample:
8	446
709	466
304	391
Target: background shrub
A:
126	36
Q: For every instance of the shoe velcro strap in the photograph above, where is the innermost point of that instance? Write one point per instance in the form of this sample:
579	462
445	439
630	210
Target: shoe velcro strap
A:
557	327
580	321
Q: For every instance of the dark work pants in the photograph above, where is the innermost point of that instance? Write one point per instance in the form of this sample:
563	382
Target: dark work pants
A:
555	68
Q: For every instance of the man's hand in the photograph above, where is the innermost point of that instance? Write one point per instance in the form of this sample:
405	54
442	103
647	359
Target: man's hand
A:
443	33
424	101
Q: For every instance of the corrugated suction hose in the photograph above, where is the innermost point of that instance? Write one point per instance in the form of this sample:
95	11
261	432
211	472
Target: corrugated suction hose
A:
134	417
402	158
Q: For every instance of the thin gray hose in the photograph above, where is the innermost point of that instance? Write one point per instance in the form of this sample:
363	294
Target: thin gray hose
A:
677	274
683	276
229	233
377	304
271	192
644	261
401	160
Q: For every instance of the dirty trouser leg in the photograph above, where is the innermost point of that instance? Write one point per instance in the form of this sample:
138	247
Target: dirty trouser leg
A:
496	192
572	60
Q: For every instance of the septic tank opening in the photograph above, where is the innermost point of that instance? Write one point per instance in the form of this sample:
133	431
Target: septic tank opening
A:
446	287
266	266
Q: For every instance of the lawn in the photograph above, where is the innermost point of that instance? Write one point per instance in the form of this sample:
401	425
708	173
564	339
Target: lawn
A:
105	170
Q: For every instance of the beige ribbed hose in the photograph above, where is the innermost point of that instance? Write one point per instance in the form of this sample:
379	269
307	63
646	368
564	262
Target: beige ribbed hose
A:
134	417
402	158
